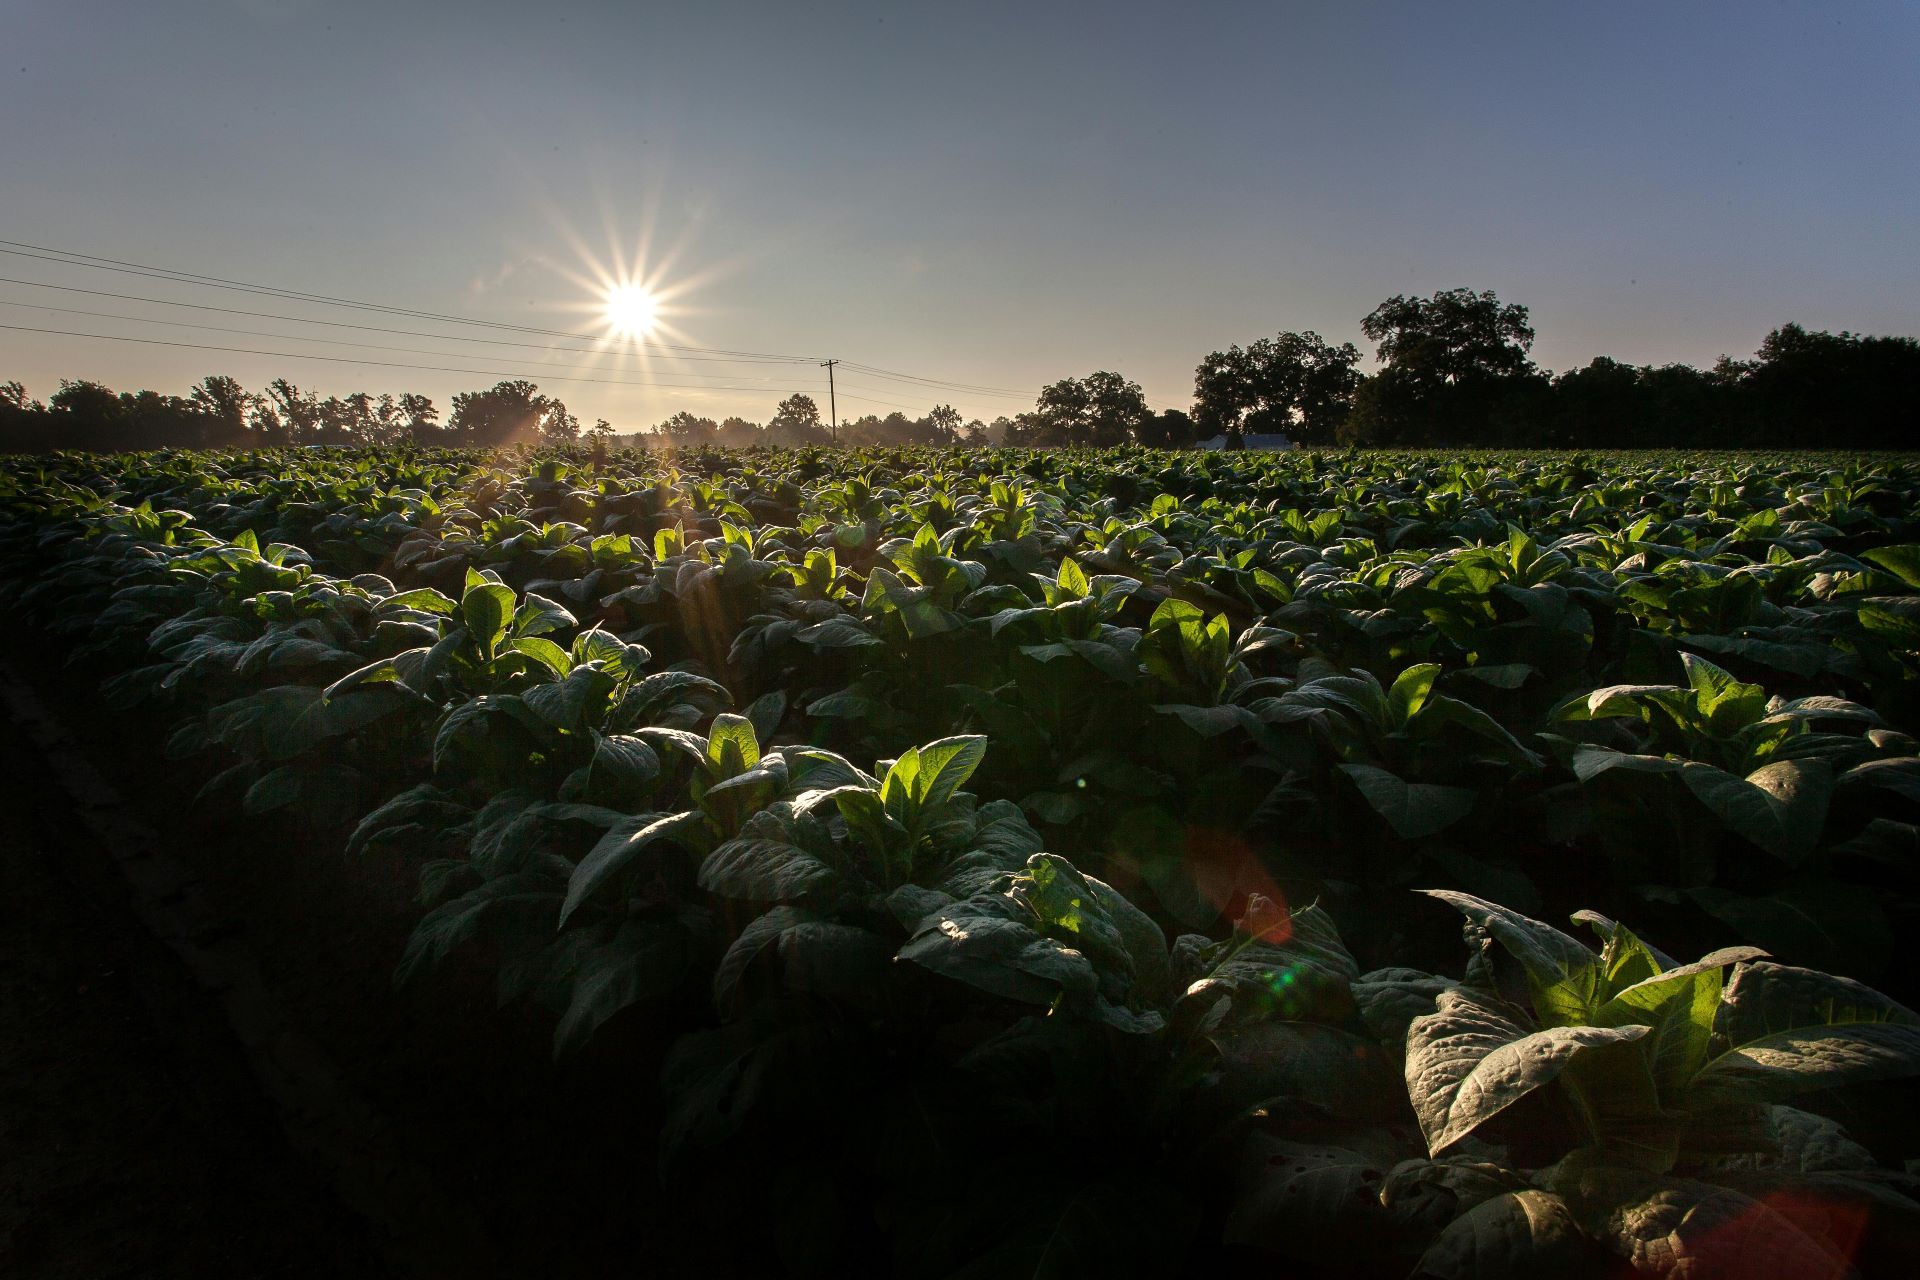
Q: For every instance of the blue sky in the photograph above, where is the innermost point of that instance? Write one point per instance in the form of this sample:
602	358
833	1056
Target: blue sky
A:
991	194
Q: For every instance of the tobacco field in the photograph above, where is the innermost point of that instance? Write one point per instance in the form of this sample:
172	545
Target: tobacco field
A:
1062	863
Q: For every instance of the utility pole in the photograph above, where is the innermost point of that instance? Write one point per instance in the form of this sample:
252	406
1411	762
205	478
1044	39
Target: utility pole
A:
833	411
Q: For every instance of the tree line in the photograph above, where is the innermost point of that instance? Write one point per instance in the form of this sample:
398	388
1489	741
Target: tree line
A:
1454	369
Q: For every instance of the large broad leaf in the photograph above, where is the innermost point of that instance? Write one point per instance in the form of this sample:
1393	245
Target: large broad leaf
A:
1781	806
1310	1203
1795	1030
621	763
924	778
1304	1066
1563	974
1410	691
732	747
1390	999
764	864
1052	937
646	959
1813	919
1678	1007
1902	561
1412	809
1291	964
819	956
573	702
1681	1229
487	611
1471	1059
617	850
1515	1234
528	895
1727	703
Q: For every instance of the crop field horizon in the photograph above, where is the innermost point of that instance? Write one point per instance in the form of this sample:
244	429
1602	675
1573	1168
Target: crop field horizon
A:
1027	862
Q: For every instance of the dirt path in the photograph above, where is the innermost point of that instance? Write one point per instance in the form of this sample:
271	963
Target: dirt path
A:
133	1141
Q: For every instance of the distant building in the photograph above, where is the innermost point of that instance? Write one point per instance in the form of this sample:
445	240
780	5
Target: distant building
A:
1259	444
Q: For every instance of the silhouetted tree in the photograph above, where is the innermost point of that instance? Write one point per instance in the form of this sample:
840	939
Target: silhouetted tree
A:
1293	383
1818	388
509	413
684	430
1097	410
225	402
1168	429
796	421
737	433
419	418
1450	361
943	424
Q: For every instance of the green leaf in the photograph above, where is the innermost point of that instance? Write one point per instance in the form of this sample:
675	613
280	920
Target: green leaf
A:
1516	1234
425	599
1072	579
545	652
616	851
1678	1007
944	767
1727	703
1410	690
1674	1227
1780	806
1902	561
487	611
762	864
621	763
1470	1060
646	959
1563	975
1412	809
1792	1030
732	747
987	944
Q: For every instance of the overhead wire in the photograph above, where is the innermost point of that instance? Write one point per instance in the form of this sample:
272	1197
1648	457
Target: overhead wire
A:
653	349
71	259
371	328
299	337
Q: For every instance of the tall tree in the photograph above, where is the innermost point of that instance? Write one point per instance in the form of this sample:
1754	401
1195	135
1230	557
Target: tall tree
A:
943	424
796	421
1456	364
419	418
225	402
685	430
509	413
1292	383
1168	429
1097	410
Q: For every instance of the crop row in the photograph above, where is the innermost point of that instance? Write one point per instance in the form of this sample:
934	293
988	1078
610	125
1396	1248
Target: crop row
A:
945	775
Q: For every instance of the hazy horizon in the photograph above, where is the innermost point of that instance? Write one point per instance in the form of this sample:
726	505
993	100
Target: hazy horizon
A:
988	195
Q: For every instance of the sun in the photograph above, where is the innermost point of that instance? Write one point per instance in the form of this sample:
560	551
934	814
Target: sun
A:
632	310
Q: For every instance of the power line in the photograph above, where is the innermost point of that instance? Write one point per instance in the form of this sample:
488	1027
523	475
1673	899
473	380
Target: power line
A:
386	364
738	382
434	368
363	328
935	382
298	337
71	259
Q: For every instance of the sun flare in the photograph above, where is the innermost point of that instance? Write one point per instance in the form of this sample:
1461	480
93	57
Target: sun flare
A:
632	310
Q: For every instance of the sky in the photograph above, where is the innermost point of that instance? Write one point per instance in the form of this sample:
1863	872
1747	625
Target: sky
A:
994	195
